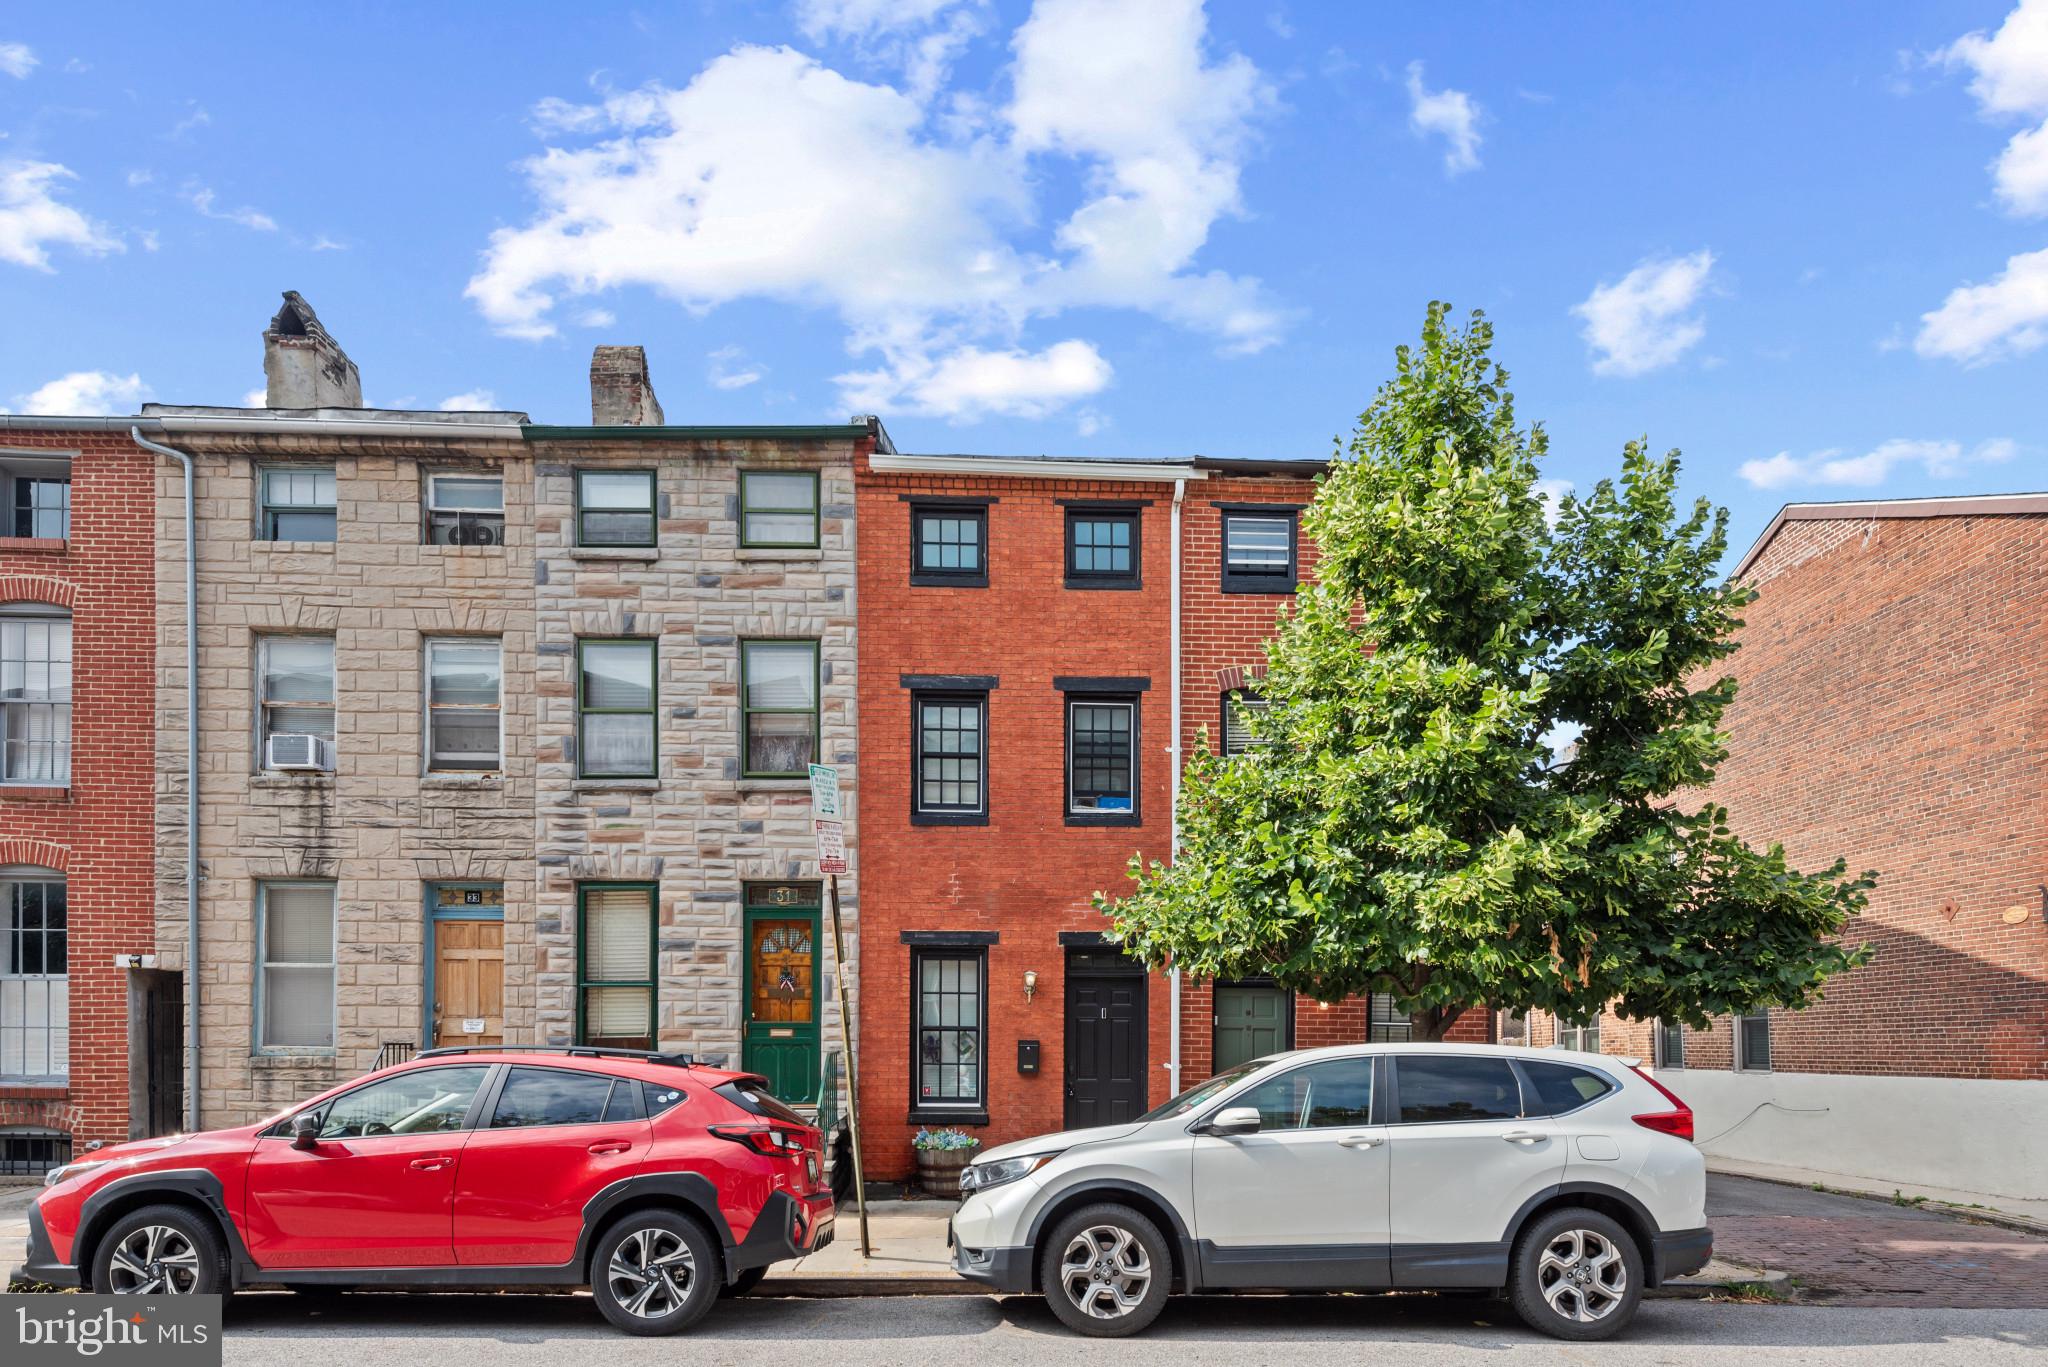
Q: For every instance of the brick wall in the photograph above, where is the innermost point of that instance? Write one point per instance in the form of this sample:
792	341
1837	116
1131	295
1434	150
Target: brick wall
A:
1026	875
96	831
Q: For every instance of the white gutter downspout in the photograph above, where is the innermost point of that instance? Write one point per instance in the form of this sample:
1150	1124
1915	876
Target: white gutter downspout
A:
191	781
1180	489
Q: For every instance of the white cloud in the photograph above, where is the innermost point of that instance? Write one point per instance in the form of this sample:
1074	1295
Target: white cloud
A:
474	401
16	60
1644	321
1936	459
259	397
2005	316
138	179
596	318
87	393
1552	492
770	175
2010	80
202	199
557	115
323	243
729	368
32	219
198	118
1450	114
921	37
969	382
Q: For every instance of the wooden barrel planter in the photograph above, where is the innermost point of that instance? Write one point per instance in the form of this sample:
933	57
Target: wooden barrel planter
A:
938	1170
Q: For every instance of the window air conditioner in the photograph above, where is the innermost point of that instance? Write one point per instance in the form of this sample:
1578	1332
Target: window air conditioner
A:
299	752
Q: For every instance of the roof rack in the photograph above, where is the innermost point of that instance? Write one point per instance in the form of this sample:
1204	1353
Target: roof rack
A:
573	1050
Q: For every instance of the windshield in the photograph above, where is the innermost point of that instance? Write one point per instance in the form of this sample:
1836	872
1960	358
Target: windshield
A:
1196	1097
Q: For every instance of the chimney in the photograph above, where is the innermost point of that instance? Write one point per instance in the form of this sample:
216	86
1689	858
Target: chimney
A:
621	394
302	366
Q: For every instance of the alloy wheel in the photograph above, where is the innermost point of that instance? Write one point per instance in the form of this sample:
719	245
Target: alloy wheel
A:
154	1260
651	1273
1582	1275
1105	1271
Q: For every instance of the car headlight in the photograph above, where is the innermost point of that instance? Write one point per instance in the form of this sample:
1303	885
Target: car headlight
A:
71	1170
982	1176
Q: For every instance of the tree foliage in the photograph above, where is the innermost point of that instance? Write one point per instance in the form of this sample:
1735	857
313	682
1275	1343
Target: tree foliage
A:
1402	824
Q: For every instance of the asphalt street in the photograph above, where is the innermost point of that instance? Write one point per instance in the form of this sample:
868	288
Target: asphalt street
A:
508	1331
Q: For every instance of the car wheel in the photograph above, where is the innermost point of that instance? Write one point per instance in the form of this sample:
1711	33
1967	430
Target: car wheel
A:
1106	1270
746	1281
1577	1275
656	1272
161	1251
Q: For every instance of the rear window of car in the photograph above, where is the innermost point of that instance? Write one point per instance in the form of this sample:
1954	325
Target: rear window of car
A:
1555	1088
749	1095
551	1096
1433	1090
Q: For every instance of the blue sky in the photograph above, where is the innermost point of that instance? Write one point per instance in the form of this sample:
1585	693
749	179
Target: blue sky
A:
1806	244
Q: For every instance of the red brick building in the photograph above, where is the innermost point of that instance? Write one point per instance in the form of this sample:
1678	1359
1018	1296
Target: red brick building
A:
1893	711
77	779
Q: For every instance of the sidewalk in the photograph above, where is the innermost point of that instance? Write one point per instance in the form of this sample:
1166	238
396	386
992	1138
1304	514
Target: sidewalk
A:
2027	1216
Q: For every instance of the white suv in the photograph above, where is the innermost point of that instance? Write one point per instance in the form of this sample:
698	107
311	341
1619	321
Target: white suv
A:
1568	1179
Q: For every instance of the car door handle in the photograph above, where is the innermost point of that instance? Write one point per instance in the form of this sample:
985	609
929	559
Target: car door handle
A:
610	1146
1523	1136
431	1164
1362	1141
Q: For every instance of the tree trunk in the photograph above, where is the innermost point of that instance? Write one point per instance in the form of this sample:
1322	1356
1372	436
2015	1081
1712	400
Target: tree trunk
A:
1430	1027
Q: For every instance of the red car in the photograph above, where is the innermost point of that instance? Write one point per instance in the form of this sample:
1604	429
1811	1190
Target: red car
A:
655	1182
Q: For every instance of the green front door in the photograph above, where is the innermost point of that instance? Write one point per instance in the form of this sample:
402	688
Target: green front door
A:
1251	1022
783	969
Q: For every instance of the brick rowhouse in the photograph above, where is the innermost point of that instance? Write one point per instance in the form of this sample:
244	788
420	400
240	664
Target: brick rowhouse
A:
81	820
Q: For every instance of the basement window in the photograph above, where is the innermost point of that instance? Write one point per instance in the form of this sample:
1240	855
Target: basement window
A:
31	1153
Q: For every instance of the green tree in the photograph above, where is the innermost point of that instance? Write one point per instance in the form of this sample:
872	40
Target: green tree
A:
1403	825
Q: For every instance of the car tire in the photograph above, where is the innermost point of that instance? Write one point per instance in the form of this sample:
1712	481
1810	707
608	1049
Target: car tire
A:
656	1272
746	1281
1106	1271
1577	1275
161	1251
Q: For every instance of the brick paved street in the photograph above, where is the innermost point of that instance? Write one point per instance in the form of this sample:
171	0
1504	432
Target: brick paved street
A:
1847	1250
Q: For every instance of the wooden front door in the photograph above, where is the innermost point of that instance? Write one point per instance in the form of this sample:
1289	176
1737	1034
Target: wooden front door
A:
1251	1022
1105	1039
469	981
781	1041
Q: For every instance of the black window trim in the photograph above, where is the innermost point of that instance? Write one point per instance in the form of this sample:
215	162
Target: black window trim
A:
629	1084
1097	512
1085	696
946	816
947	945
1528	1088
1241	582
973	510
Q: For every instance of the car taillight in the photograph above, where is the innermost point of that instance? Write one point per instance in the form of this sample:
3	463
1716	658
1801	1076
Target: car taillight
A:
772	1140
1676	1122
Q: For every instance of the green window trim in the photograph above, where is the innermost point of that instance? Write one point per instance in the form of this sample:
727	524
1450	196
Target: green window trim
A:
652	711
585	983
651	510
748	711
814	510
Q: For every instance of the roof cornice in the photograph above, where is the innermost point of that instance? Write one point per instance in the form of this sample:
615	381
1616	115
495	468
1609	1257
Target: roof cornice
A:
1959	505
1016	467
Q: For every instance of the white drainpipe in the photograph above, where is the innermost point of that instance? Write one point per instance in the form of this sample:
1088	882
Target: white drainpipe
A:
1180	489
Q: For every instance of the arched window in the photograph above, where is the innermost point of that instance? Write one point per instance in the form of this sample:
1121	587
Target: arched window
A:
35	989
35	694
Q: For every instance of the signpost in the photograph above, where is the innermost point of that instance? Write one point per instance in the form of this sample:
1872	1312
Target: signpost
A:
828	821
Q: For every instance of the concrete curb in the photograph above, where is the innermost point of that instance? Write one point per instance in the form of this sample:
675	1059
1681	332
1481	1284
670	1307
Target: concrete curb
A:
1979	1215
1779	1283
827	1288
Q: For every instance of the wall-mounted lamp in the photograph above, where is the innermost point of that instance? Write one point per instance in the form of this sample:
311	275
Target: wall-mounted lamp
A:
1030	983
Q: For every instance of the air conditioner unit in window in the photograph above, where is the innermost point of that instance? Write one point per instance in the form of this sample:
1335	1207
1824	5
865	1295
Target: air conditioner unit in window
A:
299	752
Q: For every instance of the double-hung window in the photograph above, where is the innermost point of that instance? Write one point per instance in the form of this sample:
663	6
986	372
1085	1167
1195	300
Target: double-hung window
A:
615	965
779	707
297	502
949	986
35	999
42	506
1585	1038
1670	1044
1238	707
1102	759
35	695
949	545
295	682
295	957
1102	547
615	709
615	508
464	676
1385	1021
1753	1042
951	758
1258	550
465	510
779	508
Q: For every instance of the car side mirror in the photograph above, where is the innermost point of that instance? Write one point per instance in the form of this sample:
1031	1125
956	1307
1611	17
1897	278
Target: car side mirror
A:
1233	1120
306	1132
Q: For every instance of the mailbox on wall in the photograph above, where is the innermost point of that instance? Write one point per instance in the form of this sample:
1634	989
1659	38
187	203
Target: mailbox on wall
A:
1027	1057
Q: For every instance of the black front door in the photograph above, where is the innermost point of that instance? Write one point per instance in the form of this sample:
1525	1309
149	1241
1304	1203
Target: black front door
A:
164	1019
1105	1039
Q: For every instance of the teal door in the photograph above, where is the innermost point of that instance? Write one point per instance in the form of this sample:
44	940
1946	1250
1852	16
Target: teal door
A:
1251	1022
783	962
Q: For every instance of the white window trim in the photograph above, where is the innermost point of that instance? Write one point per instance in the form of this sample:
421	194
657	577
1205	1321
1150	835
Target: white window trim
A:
263	702
31	873
427	703
263	967
43	612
